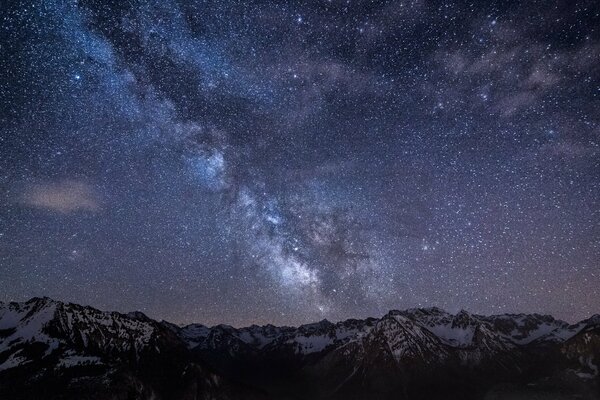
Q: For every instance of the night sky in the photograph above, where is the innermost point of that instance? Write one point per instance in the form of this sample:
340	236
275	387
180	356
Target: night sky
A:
284	162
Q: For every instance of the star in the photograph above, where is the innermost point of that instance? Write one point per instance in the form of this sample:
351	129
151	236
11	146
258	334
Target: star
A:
287	162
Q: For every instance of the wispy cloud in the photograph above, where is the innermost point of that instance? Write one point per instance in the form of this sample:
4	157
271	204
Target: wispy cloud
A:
66	196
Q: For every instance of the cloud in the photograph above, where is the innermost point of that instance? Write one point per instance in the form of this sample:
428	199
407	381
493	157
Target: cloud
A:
514	70
66	196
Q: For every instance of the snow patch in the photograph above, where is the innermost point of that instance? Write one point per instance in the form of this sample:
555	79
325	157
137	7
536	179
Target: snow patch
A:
453	335
14	361
311	344
75	360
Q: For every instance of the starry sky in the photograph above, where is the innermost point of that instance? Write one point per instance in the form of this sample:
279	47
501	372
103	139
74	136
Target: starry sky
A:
287	161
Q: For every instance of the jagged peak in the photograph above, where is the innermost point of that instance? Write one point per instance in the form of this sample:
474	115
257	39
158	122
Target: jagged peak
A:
224	327
138	315
192	325
591	321
171	326
396	316
537	316
463	316
394	312
40	300
426	310
432	318
264	327
324	323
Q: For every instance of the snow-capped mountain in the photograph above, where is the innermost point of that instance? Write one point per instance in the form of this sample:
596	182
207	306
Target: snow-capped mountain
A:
55	325
50	349
413	332
406	346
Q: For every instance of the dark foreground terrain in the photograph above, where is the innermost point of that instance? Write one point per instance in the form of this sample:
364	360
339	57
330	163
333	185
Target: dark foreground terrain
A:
55	350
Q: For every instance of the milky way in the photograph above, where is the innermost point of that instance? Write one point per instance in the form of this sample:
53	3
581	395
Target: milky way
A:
284	162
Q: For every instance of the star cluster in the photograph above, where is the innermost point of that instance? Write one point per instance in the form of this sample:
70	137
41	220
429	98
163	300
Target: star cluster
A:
283	162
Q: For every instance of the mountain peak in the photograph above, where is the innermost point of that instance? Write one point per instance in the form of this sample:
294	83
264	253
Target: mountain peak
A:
138	315
41	300
67	335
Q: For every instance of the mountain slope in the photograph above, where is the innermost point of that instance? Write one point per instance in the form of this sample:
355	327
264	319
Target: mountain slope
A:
55	350
396	356
50	349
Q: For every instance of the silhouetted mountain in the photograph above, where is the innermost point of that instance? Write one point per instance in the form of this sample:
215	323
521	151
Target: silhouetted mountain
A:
55	350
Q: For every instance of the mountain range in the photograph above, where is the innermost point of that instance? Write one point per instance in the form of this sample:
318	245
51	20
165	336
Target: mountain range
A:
55	350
